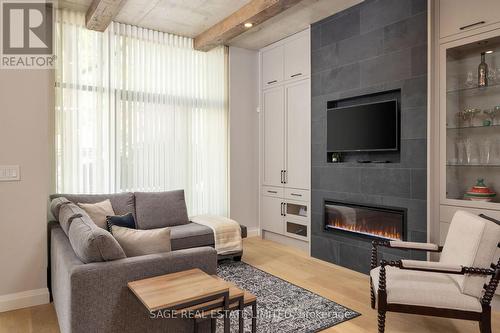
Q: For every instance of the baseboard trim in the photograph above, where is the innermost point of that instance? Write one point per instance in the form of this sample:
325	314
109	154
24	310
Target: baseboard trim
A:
24	299
253	232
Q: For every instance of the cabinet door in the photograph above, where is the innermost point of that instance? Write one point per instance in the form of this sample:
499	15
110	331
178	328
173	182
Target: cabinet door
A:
458	16
297	53
274	136
272	66
298	133
272	219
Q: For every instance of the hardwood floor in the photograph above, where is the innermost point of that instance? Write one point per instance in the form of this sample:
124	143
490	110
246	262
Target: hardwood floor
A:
336	283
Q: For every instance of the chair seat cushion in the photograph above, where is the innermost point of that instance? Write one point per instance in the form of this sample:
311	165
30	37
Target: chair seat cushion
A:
191	235
424	289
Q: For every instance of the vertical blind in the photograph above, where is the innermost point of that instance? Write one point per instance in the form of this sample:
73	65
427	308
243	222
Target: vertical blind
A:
140	110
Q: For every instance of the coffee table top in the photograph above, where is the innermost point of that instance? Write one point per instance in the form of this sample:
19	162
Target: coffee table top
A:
173	290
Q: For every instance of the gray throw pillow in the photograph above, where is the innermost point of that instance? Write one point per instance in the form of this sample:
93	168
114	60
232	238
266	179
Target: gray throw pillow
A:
141	242
92	243
160	209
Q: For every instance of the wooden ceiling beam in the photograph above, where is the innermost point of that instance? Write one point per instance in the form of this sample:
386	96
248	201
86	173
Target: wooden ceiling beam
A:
101	13
255	12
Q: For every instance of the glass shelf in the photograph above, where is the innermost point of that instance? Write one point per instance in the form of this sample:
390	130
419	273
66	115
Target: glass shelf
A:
486	89
473	165
473	127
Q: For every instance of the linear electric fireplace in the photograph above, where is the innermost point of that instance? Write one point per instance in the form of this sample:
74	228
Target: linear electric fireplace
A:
367	221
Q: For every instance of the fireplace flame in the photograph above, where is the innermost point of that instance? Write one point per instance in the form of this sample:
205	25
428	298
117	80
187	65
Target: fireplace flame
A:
389	232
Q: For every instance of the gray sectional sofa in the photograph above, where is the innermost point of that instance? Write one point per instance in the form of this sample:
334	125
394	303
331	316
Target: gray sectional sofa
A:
93	297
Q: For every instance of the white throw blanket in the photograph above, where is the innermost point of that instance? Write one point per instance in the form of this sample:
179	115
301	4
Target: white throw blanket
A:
227	232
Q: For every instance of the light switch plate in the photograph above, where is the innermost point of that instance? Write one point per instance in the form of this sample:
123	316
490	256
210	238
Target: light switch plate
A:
9	173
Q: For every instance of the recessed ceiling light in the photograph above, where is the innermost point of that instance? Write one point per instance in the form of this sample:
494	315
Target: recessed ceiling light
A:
490	51
248	25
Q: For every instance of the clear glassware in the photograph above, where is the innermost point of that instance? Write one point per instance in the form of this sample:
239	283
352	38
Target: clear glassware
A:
469	81
460	148
470	115
485	152
492	113
468	147
492	75
495	152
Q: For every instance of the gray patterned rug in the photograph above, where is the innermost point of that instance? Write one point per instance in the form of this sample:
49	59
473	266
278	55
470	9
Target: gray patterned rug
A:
281	306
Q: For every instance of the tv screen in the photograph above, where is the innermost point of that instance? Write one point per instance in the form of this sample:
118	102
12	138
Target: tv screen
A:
364	127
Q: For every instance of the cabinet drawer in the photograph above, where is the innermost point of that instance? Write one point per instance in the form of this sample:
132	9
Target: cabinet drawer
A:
294	194
272	191
461	16
272	66
296	230
446	212
297	56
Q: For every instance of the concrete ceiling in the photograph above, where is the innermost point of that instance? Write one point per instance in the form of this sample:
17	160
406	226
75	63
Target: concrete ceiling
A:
191	17
291	21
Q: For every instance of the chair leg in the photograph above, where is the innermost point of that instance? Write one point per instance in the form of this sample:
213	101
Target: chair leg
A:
372	294
381	321
485	323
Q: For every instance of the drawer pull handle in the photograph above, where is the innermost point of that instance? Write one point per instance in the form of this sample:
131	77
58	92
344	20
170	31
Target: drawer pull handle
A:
294	75
472	25
275	192
273	81
296	194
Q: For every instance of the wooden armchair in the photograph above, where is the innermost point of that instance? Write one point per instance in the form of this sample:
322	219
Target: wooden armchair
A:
461	285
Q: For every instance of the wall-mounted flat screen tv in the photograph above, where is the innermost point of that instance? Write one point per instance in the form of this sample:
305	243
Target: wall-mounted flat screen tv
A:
364	127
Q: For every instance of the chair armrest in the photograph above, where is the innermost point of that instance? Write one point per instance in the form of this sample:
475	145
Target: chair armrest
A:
429	247
437	267
415	246
431	266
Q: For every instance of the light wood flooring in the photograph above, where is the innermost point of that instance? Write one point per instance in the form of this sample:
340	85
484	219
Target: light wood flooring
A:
341	285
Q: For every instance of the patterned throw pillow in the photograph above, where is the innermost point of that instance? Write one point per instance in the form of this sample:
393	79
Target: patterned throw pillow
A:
126	221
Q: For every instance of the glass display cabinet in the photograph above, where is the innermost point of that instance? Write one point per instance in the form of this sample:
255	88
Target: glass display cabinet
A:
470	122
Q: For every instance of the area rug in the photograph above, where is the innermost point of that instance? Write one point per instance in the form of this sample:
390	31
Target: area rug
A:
282	306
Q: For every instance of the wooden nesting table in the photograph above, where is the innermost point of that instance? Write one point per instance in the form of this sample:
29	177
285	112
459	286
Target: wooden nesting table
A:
197	294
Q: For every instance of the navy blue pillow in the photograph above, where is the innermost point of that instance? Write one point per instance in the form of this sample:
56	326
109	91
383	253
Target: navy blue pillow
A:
126	221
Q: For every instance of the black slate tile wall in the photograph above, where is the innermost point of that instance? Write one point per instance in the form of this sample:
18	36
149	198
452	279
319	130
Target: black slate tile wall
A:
376	46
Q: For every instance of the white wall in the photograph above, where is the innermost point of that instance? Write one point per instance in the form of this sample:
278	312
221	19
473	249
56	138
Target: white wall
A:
26	104
244	136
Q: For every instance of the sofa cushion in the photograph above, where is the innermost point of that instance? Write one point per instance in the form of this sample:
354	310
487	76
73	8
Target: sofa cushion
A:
160	209
98	211
472	242
67	213
55	206
497	253
142	242
122	203
485	256
191	235
462	242
92	243
424	289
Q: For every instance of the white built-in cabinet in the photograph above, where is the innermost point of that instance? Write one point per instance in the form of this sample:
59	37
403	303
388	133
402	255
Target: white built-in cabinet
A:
465	149
286	138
